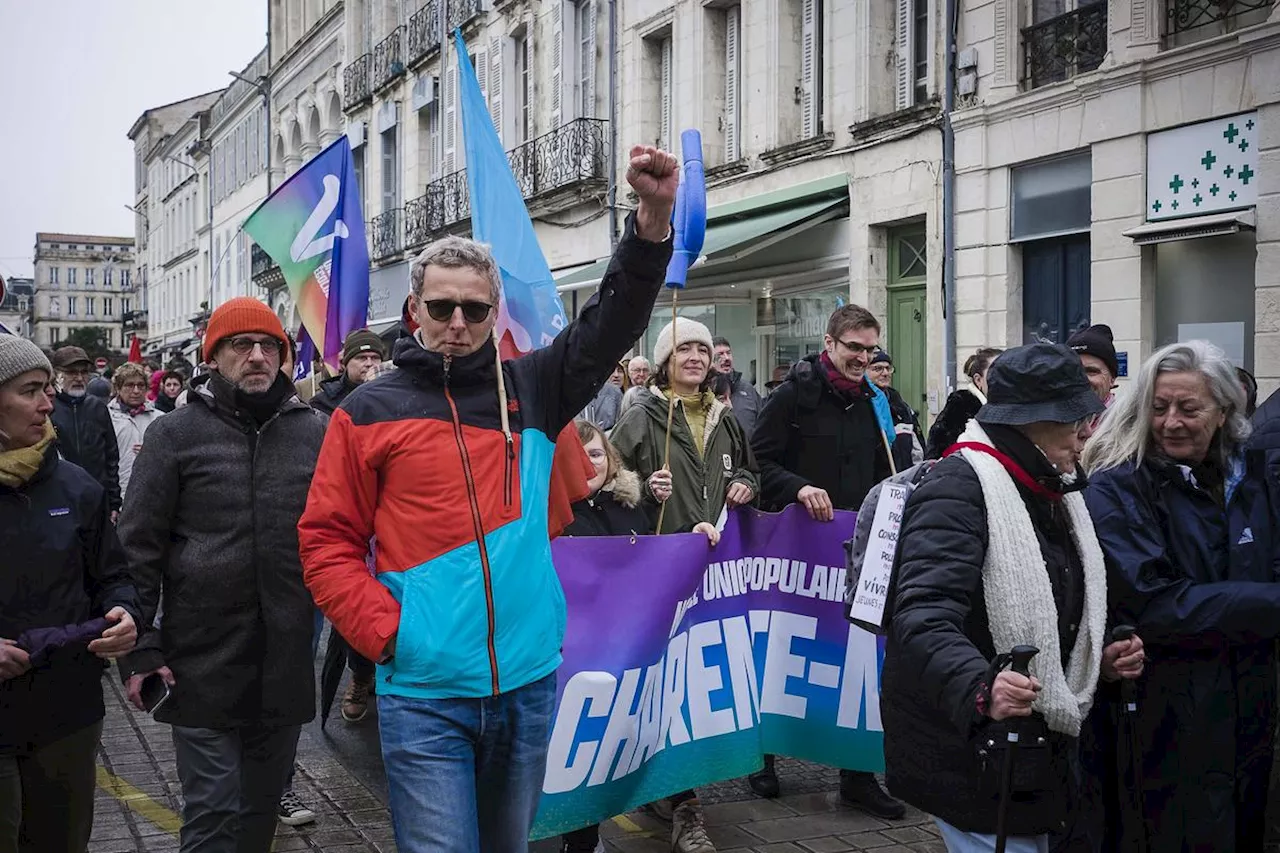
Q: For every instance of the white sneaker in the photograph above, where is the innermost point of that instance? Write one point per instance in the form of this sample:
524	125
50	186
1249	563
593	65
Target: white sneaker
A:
688	833
292	812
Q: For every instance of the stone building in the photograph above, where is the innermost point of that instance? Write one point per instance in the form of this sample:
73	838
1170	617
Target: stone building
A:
1119	162
172	224
305	84
819	124
15	306
82	281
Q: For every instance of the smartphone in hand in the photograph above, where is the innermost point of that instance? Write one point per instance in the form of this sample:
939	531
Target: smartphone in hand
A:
154	692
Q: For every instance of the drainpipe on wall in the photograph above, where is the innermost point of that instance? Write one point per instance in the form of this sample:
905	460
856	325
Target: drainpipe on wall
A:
613	125
948	209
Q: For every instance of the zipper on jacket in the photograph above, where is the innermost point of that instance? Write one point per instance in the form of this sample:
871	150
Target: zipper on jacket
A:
508	466
477	522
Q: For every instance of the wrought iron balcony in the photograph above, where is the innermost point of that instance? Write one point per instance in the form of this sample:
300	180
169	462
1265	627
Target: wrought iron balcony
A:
388	59
1205	18
355	82
571	155
134	320
1066	45
426	31
463	11
422	221
259	261
385	234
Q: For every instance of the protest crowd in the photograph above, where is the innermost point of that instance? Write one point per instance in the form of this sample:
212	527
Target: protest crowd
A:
1084	581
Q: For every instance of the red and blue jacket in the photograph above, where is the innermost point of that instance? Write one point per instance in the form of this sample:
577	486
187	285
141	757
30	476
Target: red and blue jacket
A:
420	459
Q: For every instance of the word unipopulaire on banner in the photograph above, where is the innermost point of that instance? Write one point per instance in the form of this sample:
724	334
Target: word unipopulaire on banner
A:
684	666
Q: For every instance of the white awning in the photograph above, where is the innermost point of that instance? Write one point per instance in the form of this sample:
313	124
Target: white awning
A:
1192	227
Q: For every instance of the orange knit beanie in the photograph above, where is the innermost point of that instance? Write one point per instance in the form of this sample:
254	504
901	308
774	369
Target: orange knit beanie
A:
239	316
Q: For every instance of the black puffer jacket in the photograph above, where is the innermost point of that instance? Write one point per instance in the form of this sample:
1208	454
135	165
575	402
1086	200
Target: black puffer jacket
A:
961	407
939	646
87	438
62	566
212	515
615	510
332	392
809	435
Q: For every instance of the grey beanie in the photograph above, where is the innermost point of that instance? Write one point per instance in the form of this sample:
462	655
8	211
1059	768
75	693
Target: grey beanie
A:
18	355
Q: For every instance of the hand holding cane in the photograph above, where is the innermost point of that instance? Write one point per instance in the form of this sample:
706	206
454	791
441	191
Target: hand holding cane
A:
1021	664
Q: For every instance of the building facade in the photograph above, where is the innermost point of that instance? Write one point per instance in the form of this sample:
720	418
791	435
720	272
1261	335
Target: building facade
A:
1119	162
543	69
15	307
172	222
304	81
82	281
819	125
236	159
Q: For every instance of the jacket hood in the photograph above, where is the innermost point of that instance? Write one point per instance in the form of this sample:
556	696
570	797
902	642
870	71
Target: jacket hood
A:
625	488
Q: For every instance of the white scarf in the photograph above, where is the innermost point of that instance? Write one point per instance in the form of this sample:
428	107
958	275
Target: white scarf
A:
1019	597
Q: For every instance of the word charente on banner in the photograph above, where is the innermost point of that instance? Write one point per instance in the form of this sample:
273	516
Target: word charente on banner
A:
710	660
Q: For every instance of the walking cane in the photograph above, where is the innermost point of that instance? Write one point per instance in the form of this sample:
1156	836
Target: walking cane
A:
1021	664
1129	721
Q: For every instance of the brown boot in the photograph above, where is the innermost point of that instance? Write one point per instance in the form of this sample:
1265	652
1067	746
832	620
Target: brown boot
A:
355	704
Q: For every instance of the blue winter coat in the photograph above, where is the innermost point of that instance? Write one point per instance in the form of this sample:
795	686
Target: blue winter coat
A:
1198	582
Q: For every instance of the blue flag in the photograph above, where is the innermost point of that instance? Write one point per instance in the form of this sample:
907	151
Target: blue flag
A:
306	355
313	227
530	314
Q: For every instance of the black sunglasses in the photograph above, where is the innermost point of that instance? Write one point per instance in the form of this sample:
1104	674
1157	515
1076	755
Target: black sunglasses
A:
441	310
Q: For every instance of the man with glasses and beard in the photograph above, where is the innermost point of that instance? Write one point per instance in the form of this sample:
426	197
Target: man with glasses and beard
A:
823	440
212	520
86	436
449	460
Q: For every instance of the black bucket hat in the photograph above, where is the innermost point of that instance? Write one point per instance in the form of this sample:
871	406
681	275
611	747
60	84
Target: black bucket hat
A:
1038	382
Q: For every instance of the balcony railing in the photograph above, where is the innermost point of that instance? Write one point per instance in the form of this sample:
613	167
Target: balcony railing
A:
260	262
463	11
1189	20
426	32
1066	45
572	154
355	82
388	59
385	234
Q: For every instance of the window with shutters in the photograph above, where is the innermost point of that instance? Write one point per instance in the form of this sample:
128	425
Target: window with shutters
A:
665	77
911	52
732	78
242	259
495	86
810	68
436	140
557	61
358	156
920	49
523	91
450	117
390	171
585	29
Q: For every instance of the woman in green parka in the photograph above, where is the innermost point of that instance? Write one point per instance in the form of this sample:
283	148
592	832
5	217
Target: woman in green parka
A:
711	467
711	463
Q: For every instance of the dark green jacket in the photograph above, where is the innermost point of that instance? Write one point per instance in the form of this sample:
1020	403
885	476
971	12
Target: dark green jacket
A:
698	484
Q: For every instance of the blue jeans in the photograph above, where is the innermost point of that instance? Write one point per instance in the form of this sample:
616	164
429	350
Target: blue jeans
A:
465	775
959	841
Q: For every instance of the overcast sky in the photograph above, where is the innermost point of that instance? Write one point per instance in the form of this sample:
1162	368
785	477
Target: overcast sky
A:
74	76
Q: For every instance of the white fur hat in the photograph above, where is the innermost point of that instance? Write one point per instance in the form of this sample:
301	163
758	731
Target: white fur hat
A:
691	331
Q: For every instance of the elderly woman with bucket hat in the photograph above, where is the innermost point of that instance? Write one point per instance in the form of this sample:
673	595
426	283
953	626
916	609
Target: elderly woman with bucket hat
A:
66	606
997	550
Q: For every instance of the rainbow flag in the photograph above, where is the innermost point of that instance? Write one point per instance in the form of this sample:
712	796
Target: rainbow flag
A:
313	227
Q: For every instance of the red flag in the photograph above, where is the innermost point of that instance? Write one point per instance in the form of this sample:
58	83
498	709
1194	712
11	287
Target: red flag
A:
135	351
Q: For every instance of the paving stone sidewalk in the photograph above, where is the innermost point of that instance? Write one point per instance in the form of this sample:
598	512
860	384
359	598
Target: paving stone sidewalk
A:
139	803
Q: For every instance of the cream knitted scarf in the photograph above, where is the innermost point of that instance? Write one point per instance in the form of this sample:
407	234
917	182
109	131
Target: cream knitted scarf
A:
1019	597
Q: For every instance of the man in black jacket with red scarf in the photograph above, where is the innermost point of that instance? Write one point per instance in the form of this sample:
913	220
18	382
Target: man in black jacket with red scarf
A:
824	437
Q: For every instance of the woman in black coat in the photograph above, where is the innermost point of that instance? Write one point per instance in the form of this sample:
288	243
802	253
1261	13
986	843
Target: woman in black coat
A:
1185	517
962	405
996	549
66	606
614	508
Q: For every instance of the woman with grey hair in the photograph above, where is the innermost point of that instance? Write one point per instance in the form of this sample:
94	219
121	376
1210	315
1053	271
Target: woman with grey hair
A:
1183	515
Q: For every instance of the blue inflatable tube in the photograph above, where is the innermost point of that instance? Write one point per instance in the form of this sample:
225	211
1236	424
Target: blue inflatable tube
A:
689	223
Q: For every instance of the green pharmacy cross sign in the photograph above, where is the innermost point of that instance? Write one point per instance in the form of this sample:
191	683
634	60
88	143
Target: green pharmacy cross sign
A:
1203	168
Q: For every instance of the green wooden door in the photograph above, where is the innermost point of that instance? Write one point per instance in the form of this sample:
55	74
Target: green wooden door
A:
906	336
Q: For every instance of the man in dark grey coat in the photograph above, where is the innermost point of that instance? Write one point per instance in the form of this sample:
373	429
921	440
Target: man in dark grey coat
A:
211	520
